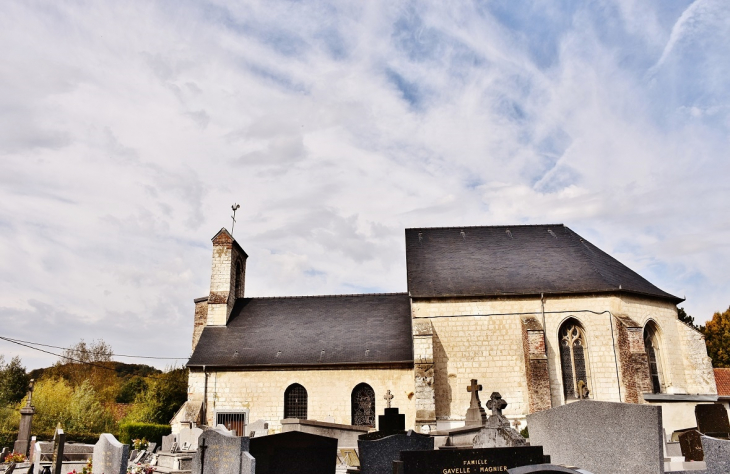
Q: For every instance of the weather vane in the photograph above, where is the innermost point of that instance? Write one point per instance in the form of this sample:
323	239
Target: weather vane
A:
235	207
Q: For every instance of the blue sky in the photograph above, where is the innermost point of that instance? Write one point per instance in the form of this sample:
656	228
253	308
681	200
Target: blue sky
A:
127	130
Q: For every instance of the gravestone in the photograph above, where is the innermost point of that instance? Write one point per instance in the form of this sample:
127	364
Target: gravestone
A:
294	452
470	460
133	454
167	442
497	433
22	444
712	420
691	444
36	460
258	428
10	468
151	447
391	421
717	455
601	437
219	453
110	456
187	438
248	463
475	415
543	469
378	450
3	454
59	440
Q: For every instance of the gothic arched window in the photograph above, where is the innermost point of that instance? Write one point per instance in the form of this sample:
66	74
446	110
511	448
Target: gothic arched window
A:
573	359
653	353
295	402
363	405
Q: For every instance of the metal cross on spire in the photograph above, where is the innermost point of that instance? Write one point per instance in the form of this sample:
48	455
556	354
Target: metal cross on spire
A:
235	207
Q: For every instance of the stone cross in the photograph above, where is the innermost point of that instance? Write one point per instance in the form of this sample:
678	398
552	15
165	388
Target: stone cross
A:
388	397
201	448
496	404
30	392
474	389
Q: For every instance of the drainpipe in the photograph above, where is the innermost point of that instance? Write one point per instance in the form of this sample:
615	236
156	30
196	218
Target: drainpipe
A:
615	357
544	328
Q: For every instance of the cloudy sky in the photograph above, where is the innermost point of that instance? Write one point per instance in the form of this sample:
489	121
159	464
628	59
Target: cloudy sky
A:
127	130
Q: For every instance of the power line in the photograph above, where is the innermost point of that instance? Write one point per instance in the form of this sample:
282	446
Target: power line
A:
71	358
76	350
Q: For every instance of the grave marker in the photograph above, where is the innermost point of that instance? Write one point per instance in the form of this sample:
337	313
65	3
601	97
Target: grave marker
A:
475	415
110	456
219	453
59	440
294	452
470	460
712	420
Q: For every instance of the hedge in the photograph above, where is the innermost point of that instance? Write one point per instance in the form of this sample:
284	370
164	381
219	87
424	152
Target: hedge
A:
152	432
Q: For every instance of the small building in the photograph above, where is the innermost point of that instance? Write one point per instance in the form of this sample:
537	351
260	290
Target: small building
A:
534	312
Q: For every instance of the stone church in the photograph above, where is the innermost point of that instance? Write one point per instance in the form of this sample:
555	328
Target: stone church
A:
534	312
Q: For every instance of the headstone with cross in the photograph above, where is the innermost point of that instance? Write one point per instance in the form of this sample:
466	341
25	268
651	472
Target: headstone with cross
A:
388	397
475	415
391	421
497	433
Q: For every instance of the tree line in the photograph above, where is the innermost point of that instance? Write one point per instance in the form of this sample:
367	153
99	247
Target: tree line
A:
87	392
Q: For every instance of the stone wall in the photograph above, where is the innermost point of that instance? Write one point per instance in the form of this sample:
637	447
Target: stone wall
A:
484	338
700	378
328	392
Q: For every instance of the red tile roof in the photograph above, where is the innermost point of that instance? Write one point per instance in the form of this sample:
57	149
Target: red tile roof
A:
722	378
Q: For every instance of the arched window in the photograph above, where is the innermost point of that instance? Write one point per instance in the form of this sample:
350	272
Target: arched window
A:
653	353
295	402
238	280
363	405
573	358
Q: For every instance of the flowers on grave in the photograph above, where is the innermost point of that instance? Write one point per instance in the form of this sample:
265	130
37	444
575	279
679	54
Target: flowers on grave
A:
15	457
140	469
140	444
85	470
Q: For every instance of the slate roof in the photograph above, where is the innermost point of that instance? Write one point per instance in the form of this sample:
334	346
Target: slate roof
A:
722	379
514	260
370	329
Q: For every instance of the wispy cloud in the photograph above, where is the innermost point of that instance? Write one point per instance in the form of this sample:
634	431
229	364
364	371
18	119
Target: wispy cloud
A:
128	129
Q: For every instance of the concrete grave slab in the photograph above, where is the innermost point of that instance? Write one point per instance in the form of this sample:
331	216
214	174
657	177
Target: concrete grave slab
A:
602	437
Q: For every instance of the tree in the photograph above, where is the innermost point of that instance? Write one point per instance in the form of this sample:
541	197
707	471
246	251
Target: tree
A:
13	381
717	339
164	397
686	318
90	362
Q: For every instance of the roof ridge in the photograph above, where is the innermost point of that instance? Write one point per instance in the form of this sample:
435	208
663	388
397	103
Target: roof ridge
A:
487	226
343	295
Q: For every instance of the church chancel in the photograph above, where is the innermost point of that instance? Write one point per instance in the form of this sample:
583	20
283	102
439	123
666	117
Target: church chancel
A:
536	313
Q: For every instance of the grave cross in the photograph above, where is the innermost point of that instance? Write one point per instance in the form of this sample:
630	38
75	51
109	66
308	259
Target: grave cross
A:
202	447
474	389
30	392
496	404
388	397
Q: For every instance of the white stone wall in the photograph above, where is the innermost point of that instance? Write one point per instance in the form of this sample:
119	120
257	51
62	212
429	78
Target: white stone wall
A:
328	391
481	338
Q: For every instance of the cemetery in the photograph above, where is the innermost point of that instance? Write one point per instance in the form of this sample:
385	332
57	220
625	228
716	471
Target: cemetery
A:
584	437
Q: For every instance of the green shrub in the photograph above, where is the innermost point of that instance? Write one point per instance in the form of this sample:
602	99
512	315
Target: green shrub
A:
151	431
7	439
